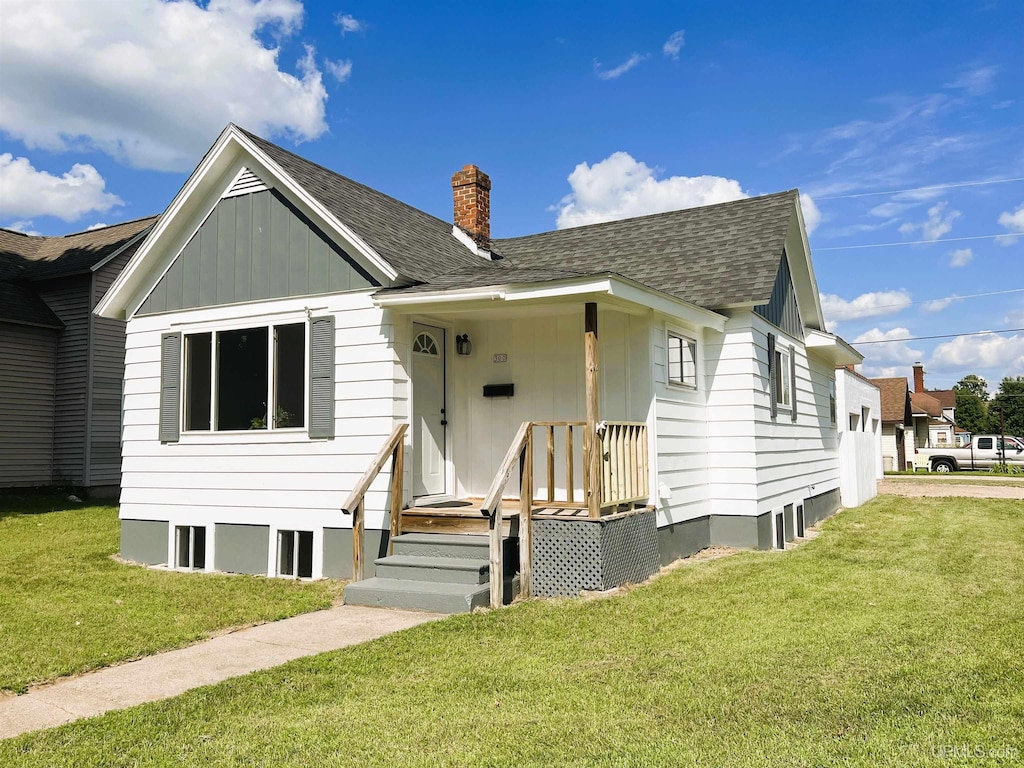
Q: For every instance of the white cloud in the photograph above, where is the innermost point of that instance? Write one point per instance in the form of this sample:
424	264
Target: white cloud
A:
883	371
872	304
961	257
892	351
619	187
976	81
25	227
1014	222
150	82
989	351
674	44
28	192
937	305
97	225
938	223
812	216
623	68
339	70
349	23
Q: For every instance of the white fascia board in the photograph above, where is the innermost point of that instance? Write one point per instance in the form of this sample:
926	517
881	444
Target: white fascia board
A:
115	302
832	347
669	305
215	163
399	300
609	285
807	284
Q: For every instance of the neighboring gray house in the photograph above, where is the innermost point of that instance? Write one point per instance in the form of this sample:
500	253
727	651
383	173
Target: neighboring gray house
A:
61	366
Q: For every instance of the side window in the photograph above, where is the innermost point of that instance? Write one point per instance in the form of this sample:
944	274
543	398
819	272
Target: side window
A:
984	444
833	411
682	360
783	391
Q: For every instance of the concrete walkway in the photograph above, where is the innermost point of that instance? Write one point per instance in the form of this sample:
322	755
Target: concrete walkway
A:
211	661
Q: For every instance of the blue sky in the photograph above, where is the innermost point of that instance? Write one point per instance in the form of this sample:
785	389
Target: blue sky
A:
579	112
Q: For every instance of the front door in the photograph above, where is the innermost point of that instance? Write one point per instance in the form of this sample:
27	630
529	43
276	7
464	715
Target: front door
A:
428	410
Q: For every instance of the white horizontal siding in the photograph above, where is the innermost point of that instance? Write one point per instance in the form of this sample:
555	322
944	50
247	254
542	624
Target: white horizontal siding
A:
263	477
756	463
681	429
795	459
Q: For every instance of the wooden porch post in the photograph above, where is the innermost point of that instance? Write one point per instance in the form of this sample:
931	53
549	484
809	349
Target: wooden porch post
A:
591	441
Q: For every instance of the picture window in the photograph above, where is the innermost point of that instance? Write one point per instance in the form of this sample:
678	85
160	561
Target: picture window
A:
238	380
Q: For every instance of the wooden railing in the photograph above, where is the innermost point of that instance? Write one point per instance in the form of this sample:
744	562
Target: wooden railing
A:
625	477
620	464
521	452
393	448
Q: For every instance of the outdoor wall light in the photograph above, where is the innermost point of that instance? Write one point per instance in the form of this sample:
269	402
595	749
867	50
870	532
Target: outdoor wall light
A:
463	345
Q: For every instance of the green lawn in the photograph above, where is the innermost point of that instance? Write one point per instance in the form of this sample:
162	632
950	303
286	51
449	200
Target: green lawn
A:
897	631
66	606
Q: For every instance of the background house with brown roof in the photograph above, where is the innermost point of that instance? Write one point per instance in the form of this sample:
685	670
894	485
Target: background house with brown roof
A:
62	366
897	423
934	414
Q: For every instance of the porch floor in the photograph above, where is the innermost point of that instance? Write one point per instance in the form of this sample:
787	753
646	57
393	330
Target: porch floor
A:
464	516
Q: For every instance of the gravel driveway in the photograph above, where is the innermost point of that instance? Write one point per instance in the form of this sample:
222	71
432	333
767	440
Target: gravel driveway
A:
919	487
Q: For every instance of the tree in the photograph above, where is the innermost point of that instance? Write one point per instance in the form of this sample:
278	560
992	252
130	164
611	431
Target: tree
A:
974	384
971	414
1009	401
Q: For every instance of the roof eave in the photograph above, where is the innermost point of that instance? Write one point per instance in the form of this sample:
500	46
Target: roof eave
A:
609	284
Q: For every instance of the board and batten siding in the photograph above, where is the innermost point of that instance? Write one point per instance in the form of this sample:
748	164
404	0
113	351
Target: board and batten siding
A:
681	432
254	247
106	373
69	299
781	309
544	359
283	480
28	357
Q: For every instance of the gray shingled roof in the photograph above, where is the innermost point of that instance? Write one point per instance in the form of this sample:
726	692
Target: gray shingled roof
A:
29	259
419	246
713	256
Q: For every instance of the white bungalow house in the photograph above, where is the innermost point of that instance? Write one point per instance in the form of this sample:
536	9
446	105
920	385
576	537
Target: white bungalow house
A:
299	344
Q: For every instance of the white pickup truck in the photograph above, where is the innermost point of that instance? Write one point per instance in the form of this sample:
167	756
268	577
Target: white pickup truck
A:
983	452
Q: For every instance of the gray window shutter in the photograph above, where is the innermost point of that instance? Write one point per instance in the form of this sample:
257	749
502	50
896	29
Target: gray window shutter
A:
792	383
170	387
321	376
771	375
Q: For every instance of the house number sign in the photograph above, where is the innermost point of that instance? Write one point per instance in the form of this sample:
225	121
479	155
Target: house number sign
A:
501	357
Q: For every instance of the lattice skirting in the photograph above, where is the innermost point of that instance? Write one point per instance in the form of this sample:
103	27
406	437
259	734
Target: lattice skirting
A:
570	556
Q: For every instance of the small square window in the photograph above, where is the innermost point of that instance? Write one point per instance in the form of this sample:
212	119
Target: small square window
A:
190	547
295	554
682	360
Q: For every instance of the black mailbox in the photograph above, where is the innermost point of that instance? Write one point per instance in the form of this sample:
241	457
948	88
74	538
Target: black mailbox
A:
499	390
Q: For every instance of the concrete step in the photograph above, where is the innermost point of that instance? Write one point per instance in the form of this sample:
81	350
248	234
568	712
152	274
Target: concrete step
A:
418	595
460	546
451	570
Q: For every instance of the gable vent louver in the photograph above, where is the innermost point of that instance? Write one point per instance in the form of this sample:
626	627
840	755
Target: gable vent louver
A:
245	183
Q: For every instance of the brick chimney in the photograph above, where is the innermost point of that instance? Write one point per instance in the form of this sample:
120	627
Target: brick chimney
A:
919	377
471	190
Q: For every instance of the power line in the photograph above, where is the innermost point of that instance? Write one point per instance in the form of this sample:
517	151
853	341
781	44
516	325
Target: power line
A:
922	189
939	336
948	298
919	242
